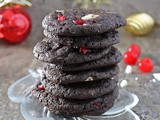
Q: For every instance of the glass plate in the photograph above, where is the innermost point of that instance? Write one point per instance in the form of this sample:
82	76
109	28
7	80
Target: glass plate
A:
31	109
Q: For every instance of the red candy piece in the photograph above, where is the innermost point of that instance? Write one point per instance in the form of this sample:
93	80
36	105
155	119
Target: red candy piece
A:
15	25
97	105
60	18
41	87
79	22
145	65
135	48
84	50
130	58
33	91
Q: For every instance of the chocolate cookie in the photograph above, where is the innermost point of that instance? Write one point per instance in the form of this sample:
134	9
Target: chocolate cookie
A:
87	113
90	89
102	40
58	105
56	75
58	54
76	22
113	57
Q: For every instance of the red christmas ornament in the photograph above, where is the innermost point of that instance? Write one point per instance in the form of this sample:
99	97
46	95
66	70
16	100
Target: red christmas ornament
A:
145	65
79	22
15	25
135	48
130	58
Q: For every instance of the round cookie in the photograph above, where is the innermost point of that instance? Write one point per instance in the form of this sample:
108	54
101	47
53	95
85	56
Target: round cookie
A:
58	54
113	57
84	114
87	90
102	40
56	75
69	105
92	22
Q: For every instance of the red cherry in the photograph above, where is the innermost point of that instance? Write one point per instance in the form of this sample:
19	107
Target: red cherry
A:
84	50
60	18
79	22
130	58
145	65
41	87
135	48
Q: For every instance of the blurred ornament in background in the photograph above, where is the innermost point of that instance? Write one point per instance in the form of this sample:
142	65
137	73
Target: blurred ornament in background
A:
4	3
89	3
140	24
15	22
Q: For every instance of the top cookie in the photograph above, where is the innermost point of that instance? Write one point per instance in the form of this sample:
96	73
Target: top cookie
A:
79	22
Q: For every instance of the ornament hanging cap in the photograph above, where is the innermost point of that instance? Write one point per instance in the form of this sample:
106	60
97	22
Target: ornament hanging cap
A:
19	2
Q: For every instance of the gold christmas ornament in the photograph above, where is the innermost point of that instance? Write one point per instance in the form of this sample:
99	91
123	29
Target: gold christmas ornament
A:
140	24
4	3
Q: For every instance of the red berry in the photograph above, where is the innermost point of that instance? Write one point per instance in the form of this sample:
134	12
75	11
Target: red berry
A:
60	18
145	65
79	22
84	50
134	48
130	58
41	87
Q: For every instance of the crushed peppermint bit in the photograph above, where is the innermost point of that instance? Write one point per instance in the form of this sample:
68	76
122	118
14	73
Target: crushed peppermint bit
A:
61	18
89	16
41	87
84	50
153	80
89	79
79	22
123	83
136	78
97	104
156	76
60	11
128	69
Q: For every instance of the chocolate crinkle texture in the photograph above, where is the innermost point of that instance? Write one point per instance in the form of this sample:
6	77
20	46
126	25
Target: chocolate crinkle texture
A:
103	22
80	73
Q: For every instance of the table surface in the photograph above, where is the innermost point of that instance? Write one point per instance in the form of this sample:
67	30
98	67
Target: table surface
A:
15	60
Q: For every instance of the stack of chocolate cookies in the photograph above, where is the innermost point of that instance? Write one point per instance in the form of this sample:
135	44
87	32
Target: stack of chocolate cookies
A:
81	71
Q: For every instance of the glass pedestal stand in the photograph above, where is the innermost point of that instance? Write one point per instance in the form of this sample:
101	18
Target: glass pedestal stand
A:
31	109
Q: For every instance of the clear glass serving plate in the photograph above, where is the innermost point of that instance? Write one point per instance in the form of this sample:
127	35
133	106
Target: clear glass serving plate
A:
31	109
